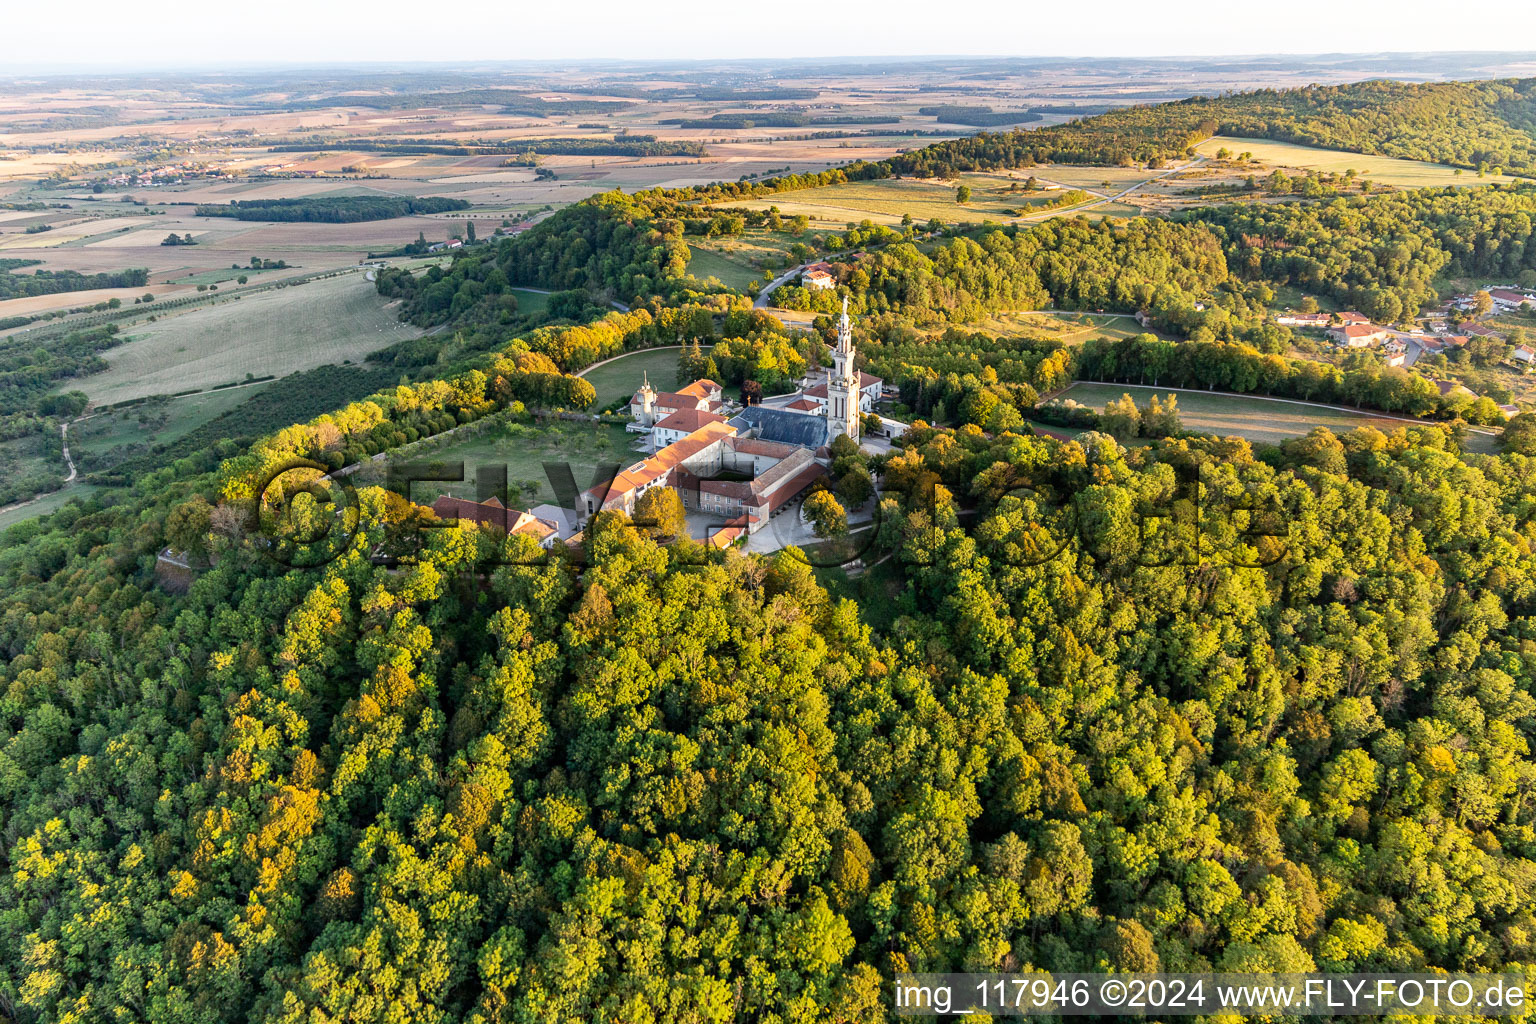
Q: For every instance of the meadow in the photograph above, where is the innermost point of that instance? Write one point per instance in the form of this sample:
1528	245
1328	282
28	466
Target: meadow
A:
887	200
1255	418
621	377
1384	170
522	448
107	435
705	263
273	332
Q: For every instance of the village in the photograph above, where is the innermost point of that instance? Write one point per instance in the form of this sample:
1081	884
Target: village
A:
1455	330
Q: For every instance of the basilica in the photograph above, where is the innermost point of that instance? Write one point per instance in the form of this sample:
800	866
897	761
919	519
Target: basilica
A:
742	467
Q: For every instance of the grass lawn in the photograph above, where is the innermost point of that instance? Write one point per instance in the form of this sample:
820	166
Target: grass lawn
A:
530	302
276	331
706	264
621	377
1384	169
757	248
886	200
1070	328
50	502
1254	418
523	449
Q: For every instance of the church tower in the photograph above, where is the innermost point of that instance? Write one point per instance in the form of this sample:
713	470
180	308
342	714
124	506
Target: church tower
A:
843	383
647	402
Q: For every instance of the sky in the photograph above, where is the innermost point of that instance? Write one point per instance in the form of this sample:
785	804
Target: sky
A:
96	35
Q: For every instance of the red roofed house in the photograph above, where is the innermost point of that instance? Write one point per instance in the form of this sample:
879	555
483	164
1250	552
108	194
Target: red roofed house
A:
492	513
1505	300
818	276
679	425
1359	335
648	407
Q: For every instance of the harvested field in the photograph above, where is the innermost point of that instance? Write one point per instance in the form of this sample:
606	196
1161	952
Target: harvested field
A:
272	332
1383	169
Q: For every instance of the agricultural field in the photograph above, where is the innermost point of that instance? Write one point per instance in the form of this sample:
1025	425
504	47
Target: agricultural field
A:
621	377
1381	169
522	448
887	200
272	332
1252	417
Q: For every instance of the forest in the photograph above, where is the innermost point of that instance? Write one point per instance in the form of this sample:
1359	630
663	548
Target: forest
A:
1484	126
1186	704
332	209
662	784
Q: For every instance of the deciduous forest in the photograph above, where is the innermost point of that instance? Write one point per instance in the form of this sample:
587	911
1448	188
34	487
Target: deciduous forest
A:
1185	705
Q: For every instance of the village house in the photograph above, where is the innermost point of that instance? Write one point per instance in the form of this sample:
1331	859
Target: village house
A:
493	514
1506	300
818	277
1358	335
1302	319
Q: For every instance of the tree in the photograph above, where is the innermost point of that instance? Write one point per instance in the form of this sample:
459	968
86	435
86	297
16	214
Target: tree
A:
1121	417
1520	434
660	511
1161	418
751	392
825	515
1482	304
873	424
469	232
963	194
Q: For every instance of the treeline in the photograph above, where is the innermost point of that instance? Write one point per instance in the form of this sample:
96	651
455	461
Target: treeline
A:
519	102
623	145
777	120
1480	125
1177	272
1146	359
52	282
981	117
333	209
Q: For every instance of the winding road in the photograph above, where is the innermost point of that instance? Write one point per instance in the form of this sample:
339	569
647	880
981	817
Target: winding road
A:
64	437
784	278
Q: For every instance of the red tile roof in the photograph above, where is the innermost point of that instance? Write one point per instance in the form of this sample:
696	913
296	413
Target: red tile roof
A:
688	420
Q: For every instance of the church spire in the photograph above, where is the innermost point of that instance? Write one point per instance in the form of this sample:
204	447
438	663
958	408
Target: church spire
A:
843	382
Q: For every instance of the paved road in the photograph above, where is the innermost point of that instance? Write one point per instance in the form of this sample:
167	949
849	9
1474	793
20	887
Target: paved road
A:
768	289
